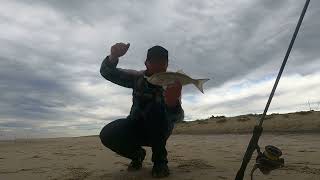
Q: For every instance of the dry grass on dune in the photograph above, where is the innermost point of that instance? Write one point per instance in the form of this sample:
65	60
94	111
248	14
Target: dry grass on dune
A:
304	121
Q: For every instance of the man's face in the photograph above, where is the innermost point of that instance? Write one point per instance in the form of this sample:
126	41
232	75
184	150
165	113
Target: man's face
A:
156	66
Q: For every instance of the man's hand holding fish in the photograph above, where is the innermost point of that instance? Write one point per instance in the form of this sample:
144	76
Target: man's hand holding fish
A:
172	94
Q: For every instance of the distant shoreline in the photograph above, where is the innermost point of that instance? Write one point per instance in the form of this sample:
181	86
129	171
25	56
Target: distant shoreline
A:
303	122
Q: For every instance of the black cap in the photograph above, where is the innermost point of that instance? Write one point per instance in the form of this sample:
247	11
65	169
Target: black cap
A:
157	53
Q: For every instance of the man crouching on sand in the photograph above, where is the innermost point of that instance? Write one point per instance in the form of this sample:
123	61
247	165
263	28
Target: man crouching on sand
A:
152	115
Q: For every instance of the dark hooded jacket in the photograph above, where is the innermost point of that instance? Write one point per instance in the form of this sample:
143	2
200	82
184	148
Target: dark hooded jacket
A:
144	94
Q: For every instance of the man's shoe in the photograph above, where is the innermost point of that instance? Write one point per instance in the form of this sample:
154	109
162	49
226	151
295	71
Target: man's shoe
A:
160	170
136	164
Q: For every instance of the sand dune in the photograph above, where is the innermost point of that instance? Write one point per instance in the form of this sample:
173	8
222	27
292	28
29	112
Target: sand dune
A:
191	157
304	121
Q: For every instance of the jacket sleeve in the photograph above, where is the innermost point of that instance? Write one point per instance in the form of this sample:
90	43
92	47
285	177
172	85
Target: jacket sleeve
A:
175	114
123	77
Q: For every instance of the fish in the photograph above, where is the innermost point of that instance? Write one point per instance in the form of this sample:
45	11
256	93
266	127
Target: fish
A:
165	78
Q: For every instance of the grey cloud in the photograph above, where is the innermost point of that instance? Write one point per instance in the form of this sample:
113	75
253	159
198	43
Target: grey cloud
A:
210	48
222	40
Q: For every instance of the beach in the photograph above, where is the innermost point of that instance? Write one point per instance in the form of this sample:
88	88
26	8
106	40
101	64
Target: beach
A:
194	155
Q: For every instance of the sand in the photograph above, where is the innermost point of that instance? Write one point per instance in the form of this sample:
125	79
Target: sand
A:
190	157
198	155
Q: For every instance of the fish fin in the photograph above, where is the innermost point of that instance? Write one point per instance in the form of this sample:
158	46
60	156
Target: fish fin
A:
148	78
199	83
180	71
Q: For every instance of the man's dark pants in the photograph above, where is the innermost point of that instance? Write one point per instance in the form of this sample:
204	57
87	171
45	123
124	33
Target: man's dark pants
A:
126	136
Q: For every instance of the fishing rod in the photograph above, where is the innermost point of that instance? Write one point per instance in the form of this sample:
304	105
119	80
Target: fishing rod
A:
270	158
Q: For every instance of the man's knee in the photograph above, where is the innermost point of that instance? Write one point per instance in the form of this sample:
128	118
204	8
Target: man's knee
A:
113	133
106	136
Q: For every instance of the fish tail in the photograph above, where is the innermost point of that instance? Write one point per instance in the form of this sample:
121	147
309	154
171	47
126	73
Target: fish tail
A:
199	83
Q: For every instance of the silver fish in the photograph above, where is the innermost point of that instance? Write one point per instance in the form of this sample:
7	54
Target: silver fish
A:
165	78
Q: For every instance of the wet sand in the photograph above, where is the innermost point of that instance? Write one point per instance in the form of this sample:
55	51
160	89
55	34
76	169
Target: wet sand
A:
191	157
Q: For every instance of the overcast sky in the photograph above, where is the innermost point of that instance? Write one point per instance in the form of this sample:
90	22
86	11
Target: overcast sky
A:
51	52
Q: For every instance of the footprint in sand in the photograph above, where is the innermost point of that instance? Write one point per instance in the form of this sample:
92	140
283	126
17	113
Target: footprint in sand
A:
78	173
106	176
193	164
35	157
144	173
121	163
222	177
302	169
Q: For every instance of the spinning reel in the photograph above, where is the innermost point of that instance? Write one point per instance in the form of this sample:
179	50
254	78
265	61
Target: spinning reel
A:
268	160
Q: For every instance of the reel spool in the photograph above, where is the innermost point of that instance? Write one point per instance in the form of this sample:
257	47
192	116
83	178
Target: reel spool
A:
268	160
